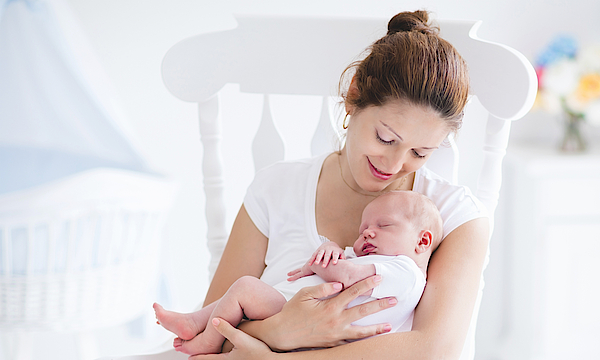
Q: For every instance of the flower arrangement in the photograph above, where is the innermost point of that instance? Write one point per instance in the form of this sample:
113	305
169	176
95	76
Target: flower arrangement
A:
569	83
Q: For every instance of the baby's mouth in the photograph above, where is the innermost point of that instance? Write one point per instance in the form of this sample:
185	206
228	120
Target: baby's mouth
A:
368	248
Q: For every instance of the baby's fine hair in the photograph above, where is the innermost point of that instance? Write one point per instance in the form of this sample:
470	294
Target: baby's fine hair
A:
429	216
424	215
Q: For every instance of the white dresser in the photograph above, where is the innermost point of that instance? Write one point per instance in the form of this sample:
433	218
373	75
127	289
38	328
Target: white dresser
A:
551	223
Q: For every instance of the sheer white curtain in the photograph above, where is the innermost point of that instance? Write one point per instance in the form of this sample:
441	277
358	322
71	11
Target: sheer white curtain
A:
68	235
57	112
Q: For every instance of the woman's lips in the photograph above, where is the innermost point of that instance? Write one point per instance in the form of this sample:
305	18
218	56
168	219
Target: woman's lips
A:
377	173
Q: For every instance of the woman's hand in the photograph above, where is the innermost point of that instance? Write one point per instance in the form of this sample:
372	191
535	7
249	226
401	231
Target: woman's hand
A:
308	321
245	347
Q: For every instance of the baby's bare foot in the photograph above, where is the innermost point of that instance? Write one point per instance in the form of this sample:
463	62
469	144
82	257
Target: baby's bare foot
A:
182	325
197	346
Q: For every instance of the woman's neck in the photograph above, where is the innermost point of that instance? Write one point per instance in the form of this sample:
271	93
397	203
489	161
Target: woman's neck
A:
338	209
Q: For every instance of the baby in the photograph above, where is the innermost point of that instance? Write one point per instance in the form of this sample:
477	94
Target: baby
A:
399	231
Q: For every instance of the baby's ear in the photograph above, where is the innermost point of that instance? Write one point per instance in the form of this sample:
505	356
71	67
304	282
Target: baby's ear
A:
425	241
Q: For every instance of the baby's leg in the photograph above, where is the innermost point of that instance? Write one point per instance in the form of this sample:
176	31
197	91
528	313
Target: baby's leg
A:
186	326
247	296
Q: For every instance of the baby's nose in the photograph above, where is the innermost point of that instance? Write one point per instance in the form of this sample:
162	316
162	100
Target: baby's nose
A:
369	233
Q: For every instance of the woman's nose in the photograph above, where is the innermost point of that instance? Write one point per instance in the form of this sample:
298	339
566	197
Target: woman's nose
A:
395	162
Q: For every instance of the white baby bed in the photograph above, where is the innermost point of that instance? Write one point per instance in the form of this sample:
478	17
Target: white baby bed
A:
79	253
305	56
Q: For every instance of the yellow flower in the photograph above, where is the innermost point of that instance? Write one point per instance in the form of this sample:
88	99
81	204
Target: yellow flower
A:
589	87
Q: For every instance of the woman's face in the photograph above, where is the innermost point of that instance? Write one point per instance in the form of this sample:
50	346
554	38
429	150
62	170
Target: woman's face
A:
385	143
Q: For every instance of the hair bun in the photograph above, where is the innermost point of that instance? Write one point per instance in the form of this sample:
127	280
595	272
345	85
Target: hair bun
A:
411	21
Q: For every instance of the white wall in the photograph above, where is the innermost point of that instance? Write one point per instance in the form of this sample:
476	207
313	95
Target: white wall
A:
131	36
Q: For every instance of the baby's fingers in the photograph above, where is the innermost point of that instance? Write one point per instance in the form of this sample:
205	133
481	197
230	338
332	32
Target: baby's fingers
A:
327	257
294	275
337	256
312	259
319	256
294	272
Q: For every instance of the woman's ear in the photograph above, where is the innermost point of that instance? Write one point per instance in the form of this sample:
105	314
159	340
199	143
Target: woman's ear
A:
425	241
352	94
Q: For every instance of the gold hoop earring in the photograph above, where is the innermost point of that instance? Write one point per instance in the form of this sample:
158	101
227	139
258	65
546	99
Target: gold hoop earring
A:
344	125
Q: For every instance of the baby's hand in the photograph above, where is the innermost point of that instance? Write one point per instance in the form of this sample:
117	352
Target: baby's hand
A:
299	273
328	251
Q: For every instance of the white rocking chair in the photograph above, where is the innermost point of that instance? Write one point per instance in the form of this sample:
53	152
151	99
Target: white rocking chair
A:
305	56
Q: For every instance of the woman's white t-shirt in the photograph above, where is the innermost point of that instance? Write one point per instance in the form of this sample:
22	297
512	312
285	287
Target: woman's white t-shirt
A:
281	203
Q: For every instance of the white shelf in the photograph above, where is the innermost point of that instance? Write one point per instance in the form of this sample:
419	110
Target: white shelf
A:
551	245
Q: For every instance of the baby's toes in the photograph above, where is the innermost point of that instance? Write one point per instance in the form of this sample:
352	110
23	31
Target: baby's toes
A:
178	343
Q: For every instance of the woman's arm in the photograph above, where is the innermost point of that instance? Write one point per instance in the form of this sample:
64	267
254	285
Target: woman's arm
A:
244	254
441	319
453	280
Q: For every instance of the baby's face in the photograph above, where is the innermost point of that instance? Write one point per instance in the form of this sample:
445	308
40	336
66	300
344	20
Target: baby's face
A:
386	229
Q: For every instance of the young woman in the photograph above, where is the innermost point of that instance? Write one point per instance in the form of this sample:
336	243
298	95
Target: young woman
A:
402	102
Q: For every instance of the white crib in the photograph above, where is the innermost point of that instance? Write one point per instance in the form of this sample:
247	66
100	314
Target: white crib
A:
80	253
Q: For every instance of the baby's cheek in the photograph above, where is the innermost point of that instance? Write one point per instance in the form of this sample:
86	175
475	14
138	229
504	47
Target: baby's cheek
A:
358	248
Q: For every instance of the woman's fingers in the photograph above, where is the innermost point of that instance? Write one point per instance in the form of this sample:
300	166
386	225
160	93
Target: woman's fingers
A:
360	311
319	291
244	345
372	307
342	315
358	289
226	329
312	318
361	332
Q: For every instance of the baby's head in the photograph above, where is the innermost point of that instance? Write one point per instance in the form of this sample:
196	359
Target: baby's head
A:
400	223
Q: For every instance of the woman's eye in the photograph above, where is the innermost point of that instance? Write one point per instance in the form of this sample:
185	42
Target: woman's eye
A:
386	142
417	155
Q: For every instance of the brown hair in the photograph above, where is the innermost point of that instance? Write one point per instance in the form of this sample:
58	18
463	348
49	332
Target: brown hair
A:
412	62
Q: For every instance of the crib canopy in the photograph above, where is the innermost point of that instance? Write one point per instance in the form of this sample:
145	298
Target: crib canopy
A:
57	115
